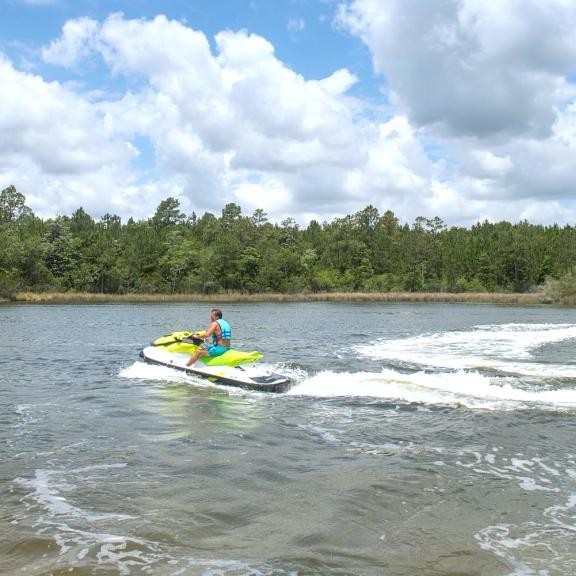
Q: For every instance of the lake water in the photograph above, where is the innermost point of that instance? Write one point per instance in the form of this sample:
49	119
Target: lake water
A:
417	439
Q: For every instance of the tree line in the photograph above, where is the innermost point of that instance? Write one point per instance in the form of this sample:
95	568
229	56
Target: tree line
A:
172	252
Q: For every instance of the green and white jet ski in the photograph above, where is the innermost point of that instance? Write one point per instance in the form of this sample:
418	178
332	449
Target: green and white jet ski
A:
233	368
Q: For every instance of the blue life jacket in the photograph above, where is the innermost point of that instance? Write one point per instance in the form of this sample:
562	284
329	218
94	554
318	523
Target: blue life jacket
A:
226	332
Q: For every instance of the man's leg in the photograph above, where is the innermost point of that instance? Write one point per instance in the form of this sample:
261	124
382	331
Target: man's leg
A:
196	355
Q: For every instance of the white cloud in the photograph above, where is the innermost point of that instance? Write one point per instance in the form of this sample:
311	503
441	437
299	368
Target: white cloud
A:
489	81
54	143
486	164
471	68
211	121
75	43
265	194
480	127
338	83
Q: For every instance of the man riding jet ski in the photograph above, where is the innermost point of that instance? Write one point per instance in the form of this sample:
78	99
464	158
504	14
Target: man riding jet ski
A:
218	362
221	333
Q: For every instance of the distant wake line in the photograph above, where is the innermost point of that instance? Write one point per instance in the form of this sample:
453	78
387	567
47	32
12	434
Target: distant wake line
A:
455	360
461	388
507	348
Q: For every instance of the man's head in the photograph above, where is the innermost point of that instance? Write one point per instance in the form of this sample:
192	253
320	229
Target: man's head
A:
216	312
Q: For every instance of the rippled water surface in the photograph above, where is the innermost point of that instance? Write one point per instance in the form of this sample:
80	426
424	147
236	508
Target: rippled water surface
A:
423	439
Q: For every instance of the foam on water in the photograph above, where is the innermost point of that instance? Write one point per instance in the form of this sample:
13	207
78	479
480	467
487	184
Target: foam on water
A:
82	535
465	388
48	490
461	387
506	347
50	494
143	371
532	548
544	544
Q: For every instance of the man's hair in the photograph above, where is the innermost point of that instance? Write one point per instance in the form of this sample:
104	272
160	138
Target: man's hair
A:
217	311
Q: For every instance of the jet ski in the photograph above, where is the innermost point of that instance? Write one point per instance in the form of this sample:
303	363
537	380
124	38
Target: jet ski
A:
233	368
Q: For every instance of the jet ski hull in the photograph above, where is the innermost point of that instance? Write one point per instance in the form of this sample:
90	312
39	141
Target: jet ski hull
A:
246	377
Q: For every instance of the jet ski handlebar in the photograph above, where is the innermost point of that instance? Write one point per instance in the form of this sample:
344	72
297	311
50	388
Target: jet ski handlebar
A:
194	339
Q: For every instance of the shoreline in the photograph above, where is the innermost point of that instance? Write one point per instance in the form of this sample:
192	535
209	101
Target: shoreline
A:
463	297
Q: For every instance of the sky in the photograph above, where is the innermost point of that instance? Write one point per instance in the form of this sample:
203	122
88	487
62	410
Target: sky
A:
306	109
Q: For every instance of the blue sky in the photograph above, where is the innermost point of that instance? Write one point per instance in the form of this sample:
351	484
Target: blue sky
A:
305	108
302	31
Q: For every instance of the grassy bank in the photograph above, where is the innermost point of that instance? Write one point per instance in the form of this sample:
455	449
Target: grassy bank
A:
485	297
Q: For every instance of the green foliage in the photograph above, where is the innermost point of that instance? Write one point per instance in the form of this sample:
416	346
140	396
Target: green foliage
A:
168	213
562	290
469	285
12	205
10	283
365	251
325	280
385	283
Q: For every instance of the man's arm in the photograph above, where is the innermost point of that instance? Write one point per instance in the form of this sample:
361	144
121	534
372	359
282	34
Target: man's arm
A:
211	330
